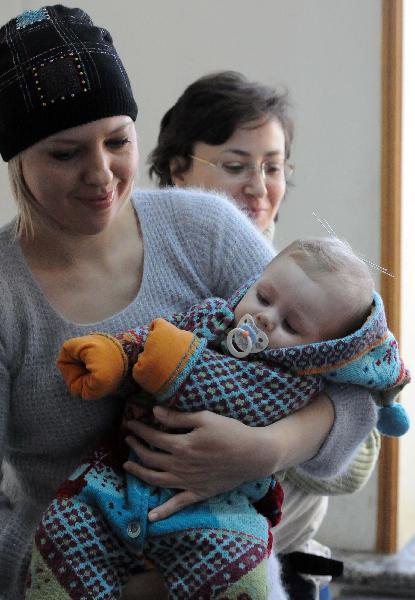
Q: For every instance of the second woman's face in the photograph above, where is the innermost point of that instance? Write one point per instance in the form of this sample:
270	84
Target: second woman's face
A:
81	177
257	142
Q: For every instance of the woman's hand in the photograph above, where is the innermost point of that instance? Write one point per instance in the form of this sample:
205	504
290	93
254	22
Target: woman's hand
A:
216	455
219	453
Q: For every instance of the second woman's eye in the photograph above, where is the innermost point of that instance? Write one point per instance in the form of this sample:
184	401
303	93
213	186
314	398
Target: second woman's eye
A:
273	167
233	168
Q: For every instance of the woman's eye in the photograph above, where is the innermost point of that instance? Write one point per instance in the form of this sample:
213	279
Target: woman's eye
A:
289	327
233	168
273	167
63	155
119	143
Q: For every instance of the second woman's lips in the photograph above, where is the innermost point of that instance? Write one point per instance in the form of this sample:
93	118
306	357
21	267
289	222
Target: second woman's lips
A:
253	213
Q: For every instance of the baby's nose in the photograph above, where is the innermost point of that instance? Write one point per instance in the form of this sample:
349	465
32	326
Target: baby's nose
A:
264	322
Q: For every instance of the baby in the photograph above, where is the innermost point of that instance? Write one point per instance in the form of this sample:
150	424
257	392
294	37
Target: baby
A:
311	316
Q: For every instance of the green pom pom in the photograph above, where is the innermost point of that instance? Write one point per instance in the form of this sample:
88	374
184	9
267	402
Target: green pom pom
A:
393	420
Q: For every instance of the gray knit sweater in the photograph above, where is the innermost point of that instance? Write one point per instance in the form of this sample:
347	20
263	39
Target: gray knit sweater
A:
195	245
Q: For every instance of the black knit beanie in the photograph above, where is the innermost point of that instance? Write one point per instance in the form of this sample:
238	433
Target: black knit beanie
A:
57	70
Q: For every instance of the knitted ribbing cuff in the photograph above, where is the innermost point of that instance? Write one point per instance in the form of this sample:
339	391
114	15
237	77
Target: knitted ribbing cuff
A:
349	482
168	357
355	417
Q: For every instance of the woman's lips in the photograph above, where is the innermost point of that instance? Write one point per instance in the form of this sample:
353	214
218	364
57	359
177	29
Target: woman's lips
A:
102	201
253	213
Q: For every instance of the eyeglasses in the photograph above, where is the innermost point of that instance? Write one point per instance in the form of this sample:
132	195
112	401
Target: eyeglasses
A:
233	170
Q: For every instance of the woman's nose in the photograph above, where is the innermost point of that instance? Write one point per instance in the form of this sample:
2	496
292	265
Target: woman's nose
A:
256	185
97	169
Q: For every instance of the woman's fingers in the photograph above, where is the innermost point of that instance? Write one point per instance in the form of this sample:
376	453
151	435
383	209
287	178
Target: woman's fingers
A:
174	504
178	420
156	478
152	459
159	439
171	419
215	455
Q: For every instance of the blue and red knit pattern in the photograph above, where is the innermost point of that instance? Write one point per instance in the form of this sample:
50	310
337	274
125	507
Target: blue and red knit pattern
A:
95	534
256	393
219	547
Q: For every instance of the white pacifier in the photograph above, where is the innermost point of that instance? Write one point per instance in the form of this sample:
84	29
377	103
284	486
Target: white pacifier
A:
246	338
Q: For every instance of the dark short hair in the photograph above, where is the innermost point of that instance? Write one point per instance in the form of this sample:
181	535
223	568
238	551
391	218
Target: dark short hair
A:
210	110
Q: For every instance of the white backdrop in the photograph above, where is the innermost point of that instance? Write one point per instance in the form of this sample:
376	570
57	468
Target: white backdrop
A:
327	53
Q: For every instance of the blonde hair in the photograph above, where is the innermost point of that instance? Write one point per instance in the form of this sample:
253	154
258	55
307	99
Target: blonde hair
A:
28	211
323	256
26	204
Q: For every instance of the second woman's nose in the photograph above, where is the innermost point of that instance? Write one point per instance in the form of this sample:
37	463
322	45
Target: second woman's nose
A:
256	186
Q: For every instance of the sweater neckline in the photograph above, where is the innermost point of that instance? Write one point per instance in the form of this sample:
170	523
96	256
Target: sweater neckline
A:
96	324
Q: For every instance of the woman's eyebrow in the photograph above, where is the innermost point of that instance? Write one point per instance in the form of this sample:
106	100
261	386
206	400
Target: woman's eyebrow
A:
274	153
62	141
237	151
68	140
123	125
247	154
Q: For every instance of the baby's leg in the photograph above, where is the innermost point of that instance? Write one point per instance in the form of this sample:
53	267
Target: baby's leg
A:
75	554
216	549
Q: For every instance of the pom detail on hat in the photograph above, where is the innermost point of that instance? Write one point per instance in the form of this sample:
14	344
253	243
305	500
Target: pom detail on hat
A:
393	420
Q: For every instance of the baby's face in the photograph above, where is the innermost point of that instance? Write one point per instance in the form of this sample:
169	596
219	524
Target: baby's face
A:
291	308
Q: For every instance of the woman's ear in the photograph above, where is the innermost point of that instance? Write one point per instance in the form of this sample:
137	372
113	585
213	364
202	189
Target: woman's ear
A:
176	173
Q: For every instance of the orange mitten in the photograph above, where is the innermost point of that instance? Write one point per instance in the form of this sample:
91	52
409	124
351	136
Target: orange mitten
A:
165	354
93	365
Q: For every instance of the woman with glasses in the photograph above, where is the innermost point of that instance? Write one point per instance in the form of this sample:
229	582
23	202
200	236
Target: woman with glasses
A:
228	134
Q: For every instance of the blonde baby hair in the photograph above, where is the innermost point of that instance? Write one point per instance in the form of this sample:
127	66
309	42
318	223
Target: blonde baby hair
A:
330	256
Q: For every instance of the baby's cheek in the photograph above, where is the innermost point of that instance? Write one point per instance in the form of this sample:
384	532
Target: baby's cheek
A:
238	314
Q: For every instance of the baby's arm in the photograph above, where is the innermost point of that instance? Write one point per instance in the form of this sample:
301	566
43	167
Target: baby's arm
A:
179	369
95	365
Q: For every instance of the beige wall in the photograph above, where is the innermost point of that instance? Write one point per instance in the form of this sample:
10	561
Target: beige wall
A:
327	52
